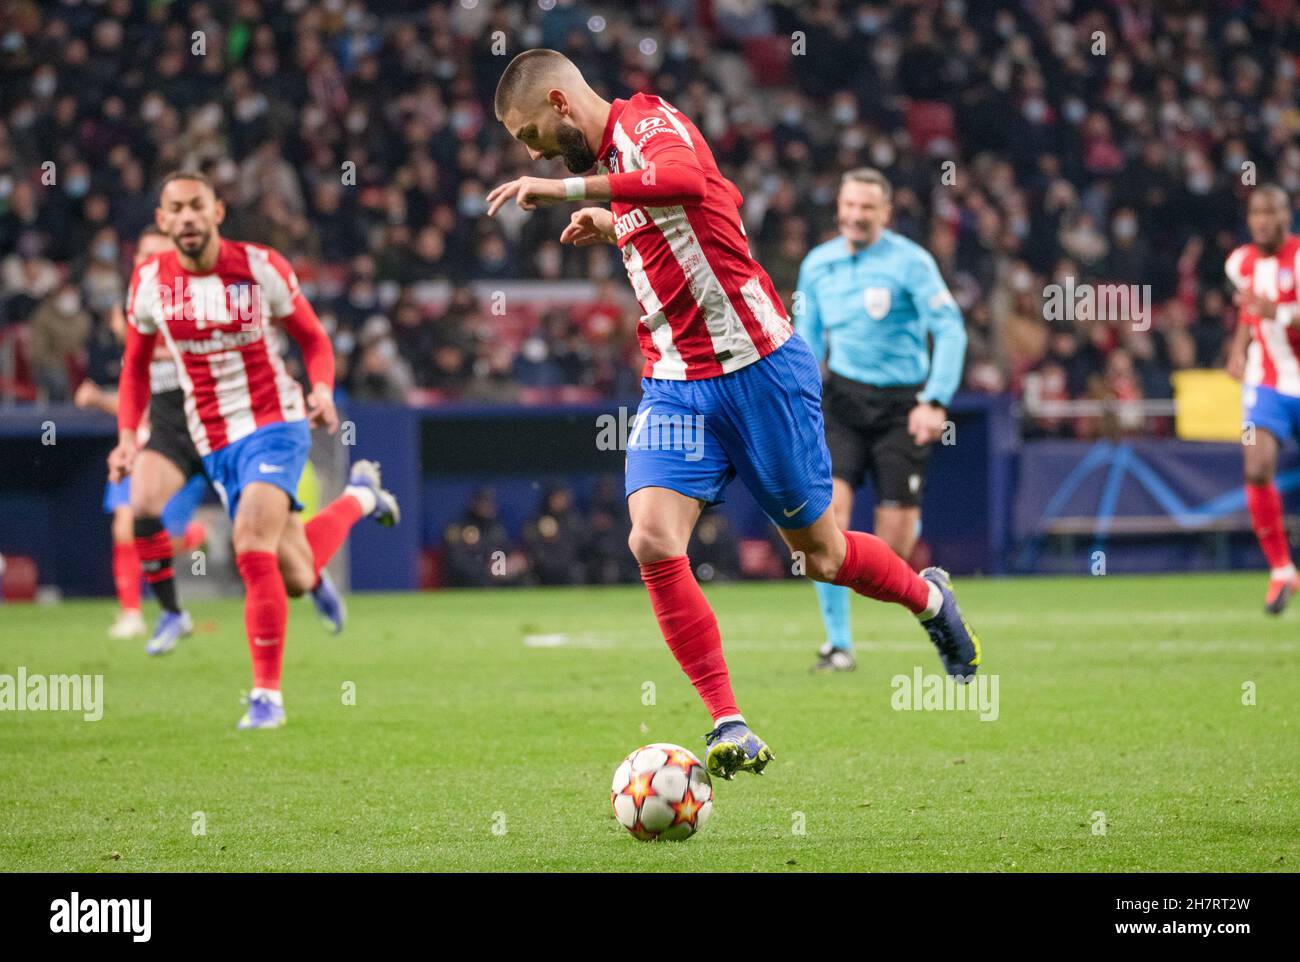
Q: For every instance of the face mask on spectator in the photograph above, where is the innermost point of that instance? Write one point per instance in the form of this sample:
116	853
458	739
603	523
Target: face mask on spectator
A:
1200	182
106	251
69	302
1126	228
1074	110
471	205
44	85
22	117
78	186
882	154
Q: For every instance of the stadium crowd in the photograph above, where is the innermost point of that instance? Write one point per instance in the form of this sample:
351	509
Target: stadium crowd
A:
1028	142
561	543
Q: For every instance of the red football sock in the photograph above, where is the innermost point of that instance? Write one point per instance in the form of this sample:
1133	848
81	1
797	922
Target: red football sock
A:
1265	506
126	575
327	531
266	614
691	630
871	568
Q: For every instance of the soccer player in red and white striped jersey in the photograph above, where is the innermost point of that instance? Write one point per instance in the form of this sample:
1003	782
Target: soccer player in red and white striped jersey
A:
218	305
1265	356
728	389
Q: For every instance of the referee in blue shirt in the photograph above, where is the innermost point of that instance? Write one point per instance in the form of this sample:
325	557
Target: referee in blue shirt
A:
873	299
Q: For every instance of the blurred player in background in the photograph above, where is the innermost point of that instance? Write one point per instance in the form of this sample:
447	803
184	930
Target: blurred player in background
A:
214	301
1265	357
720	362
873	298
165	451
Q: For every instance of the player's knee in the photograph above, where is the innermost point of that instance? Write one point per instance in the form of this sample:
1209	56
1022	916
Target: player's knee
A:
1258	474
651	544
821	565
146	503
247	536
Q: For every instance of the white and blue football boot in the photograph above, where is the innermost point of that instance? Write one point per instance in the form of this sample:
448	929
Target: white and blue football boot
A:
329	603
959	646
732	747
262	713
365	474
172	627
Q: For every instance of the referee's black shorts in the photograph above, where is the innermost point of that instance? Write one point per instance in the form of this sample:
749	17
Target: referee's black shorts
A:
169	432
866	432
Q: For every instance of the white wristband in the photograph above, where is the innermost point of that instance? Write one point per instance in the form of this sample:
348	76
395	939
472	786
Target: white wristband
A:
575	188
1285	315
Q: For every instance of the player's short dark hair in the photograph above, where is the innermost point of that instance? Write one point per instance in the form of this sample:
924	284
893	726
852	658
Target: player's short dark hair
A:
522	73
1277	190
201	177
869	175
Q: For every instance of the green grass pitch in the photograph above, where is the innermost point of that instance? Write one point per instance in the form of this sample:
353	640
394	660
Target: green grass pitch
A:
467	749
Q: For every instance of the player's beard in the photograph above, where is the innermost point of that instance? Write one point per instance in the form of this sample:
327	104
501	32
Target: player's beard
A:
192	246
1271	244
578	157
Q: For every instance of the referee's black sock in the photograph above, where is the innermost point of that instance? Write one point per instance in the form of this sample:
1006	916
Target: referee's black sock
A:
154	546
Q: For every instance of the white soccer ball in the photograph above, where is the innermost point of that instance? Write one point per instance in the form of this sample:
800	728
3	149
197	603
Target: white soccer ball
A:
662	791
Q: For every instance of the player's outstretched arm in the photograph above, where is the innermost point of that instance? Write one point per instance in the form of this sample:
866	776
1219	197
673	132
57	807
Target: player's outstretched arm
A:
91	395
318	357
292	311
673	177
1237	350
133	399
591	225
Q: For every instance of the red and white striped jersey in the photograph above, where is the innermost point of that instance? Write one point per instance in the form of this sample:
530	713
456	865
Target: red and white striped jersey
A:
709	307
1273	358
217	327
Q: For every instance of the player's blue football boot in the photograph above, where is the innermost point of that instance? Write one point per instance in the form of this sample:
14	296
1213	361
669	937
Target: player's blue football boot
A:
261	713
732	747
329	603
365	474
171	628
959	646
